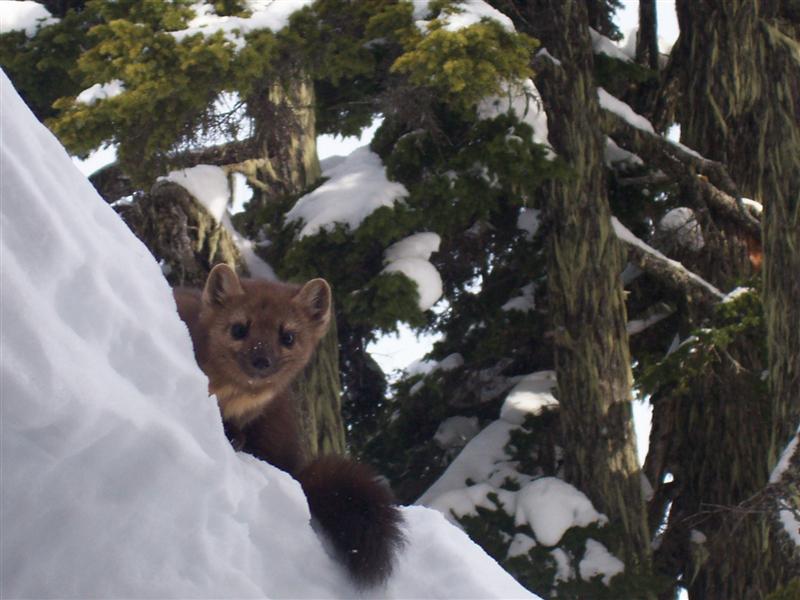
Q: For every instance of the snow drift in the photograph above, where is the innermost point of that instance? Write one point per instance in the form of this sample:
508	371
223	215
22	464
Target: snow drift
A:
117	479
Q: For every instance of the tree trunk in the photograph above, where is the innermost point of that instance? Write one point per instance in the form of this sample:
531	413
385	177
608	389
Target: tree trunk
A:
189	241
740	75
181	234
647	37
584	288
287	164
321	421
285	135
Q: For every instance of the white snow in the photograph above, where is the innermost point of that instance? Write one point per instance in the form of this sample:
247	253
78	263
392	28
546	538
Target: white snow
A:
551	506
455	432
753	204
118	481
427	366
528	221
627	236
683	225
597	560
736	293
525	302
208	184
410	257
100	91
264	14
548	505
25	15
788	519
483	459
520	545
466	13
419	245
697	537
525	102
635	326
786	456
356	187
614	154
619	108
530	396
564	570
603	45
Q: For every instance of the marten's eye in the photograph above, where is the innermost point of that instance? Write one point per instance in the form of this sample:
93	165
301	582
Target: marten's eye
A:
239	331
287	338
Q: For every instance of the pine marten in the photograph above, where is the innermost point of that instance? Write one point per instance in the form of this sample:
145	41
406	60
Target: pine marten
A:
251	338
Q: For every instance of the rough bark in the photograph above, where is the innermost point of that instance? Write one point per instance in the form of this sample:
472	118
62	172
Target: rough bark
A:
279	160
738	66
180	233
647	37
285	161
584	288
321	422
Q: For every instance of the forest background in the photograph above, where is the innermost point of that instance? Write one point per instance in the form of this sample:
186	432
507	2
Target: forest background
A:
521	201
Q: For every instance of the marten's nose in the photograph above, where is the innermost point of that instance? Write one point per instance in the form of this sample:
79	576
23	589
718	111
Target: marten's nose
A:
259	362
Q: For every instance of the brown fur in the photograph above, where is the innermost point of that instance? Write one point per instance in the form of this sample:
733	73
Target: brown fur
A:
250	374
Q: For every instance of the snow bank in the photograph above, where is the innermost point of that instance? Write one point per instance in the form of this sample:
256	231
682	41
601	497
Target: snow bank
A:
25	15
118	481
356	187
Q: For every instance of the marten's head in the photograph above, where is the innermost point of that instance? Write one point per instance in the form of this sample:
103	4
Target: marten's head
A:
260	334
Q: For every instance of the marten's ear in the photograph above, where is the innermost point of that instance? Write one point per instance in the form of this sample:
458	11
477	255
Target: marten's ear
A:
222	285
315	299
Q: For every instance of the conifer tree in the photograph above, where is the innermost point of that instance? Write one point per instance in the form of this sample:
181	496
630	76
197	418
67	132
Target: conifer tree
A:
524	187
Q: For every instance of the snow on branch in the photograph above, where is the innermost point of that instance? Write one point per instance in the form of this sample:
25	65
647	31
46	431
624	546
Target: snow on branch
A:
669	271
677	162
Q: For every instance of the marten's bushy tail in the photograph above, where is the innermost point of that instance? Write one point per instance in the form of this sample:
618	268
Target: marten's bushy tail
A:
357	513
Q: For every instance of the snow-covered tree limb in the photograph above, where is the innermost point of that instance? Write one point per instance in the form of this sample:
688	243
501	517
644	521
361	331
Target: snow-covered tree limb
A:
679	163
670	272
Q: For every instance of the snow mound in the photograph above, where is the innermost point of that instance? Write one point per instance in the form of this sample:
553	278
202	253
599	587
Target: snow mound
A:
356	187
207	183
118	481
551	506
100	91
25	15
410	257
